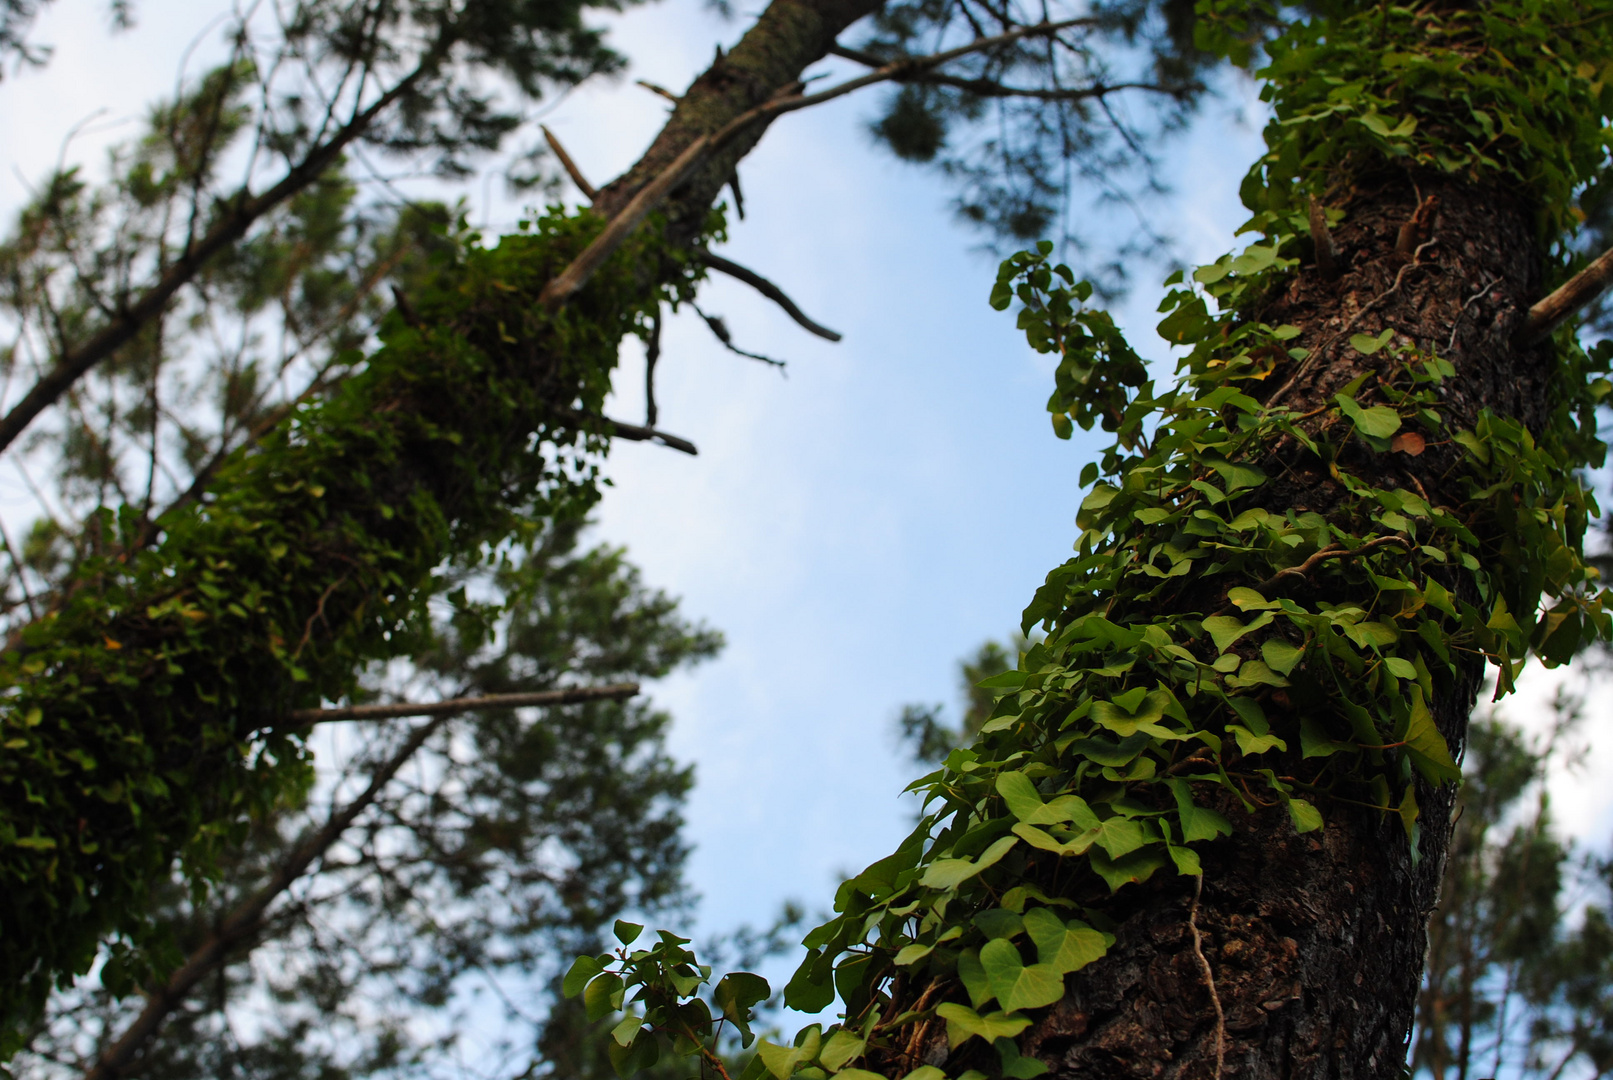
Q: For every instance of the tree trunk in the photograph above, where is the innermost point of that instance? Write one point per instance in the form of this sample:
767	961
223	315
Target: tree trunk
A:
1315	942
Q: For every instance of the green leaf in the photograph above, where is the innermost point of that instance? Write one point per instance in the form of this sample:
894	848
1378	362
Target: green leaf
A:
644	1052
963	1024
1225	630
950	873
1025	803
1197	822
927	1072
1119	835
973	976
1039	838
1139	866
624	1032
1281	656
627	932
1306	818
1427	747
1247	599
582	970
1065	947
1014	1065
1015	984
1379	421
1399	667
1367	345
1252	744
912	954
842	1046
603	996
783	1061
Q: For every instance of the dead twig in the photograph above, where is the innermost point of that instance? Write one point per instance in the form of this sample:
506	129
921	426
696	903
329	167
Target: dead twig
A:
1576	293
767	289
569	165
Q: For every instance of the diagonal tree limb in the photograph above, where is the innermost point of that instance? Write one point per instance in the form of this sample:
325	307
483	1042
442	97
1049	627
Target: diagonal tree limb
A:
695	154
767	289
243	923
239	216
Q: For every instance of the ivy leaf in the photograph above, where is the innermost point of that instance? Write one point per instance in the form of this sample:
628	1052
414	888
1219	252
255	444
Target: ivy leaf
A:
974	978
1025	803
624	1032
782	1061
839	1048
1197	822
1252	744
1065	947
1225	630
1119	835
1426	745
627	932
1306	818
583	969
1367	344
963	1024
1015	984
1134	712
1016	1066
950	873
1281	656
1379	421
643	1052
1039	838
735	995
603	996
1139	866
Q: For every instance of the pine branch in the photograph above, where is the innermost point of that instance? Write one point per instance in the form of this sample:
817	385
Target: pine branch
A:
239	215
243	923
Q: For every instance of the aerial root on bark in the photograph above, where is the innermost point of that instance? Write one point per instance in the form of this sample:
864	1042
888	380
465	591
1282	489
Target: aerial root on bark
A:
1209	978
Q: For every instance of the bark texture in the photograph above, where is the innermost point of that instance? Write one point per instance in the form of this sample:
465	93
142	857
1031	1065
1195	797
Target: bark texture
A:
1315	943
789	36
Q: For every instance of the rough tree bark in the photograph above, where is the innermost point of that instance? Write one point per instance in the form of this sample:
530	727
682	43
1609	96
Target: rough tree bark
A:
1314	942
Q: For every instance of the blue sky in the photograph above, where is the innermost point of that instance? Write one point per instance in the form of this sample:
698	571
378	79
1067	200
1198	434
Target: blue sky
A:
853	527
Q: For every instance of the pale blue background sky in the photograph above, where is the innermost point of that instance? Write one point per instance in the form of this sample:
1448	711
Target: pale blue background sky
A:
853	528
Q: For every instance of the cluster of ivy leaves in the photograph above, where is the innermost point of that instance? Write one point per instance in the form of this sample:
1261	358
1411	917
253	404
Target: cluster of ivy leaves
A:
146	716
1115	732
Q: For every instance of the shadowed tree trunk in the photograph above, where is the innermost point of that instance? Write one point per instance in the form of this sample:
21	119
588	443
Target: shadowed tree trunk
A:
1315	942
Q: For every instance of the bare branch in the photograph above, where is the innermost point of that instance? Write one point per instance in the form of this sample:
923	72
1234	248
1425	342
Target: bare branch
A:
454	706
242	924
1575	294
637	433
242	212
659	91
767	289
990	88
574	276
569	165
720	330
